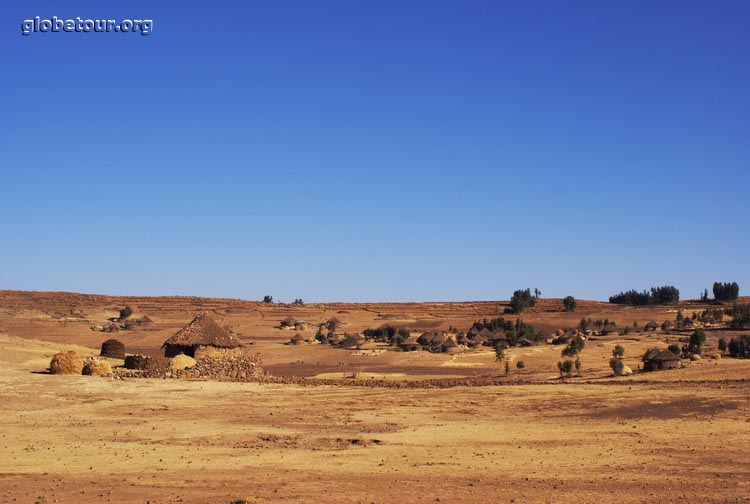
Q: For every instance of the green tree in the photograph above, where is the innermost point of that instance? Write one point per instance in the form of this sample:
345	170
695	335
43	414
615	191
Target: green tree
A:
565	367
696	342
570	303
500	351
126	312
268	298
574	347
618	351
617	365
723	345
521	300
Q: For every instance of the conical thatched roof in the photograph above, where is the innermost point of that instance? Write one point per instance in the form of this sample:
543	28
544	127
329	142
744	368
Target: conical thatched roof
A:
203	331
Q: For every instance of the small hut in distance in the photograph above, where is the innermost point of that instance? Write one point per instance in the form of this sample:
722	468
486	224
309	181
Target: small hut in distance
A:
202	331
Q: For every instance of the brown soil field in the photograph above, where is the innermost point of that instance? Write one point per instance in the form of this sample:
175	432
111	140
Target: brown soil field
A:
672	436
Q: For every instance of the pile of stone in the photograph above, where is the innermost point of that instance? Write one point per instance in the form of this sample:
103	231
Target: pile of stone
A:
236	364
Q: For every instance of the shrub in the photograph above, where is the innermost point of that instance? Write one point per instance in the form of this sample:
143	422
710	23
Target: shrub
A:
695	346
268	298
574	347
740	347
351	341
520	364
500	351
723	345
741	316
565	367
618	351
298	302
95	366
66	363
570	303
126	312
616	365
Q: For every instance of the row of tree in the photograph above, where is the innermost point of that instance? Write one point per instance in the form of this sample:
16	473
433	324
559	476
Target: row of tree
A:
667	294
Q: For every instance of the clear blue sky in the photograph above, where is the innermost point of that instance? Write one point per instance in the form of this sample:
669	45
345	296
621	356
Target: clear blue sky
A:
383	150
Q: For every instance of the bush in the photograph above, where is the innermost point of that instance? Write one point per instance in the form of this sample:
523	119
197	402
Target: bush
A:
268	298
95	366
616	365
298	302
740	347
723	345
695	346
574	347
66	363
521	300
741	316
126	312
618	351
570	303
520	364
565	367
726	291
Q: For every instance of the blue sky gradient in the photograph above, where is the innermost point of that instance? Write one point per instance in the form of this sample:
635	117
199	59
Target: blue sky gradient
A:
366	151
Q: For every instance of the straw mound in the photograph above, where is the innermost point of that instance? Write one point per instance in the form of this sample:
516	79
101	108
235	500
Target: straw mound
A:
181	361
66	363
97	367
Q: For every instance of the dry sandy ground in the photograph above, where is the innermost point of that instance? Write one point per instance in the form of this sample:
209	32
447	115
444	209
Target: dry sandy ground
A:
83	439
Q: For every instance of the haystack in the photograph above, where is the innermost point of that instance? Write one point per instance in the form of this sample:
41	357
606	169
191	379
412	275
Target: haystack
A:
95	366
66	363
113	348
181	361
202	331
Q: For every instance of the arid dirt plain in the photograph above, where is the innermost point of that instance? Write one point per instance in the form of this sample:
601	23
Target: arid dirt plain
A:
672	436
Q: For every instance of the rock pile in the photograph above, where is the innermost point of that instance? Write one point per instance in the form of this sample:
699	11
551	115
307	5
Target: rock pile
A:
236	364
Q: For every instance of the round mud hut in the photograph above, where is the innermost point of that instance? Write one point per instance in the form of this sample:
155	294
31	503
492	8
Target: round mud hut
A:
201	332
113	349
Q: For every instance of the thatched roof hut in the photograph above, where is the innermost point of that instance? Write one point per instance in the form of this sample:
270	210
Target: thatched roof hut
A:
425	338
410	344
297	339
113	348
656	360
651	326
667	325
287	322
202	331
